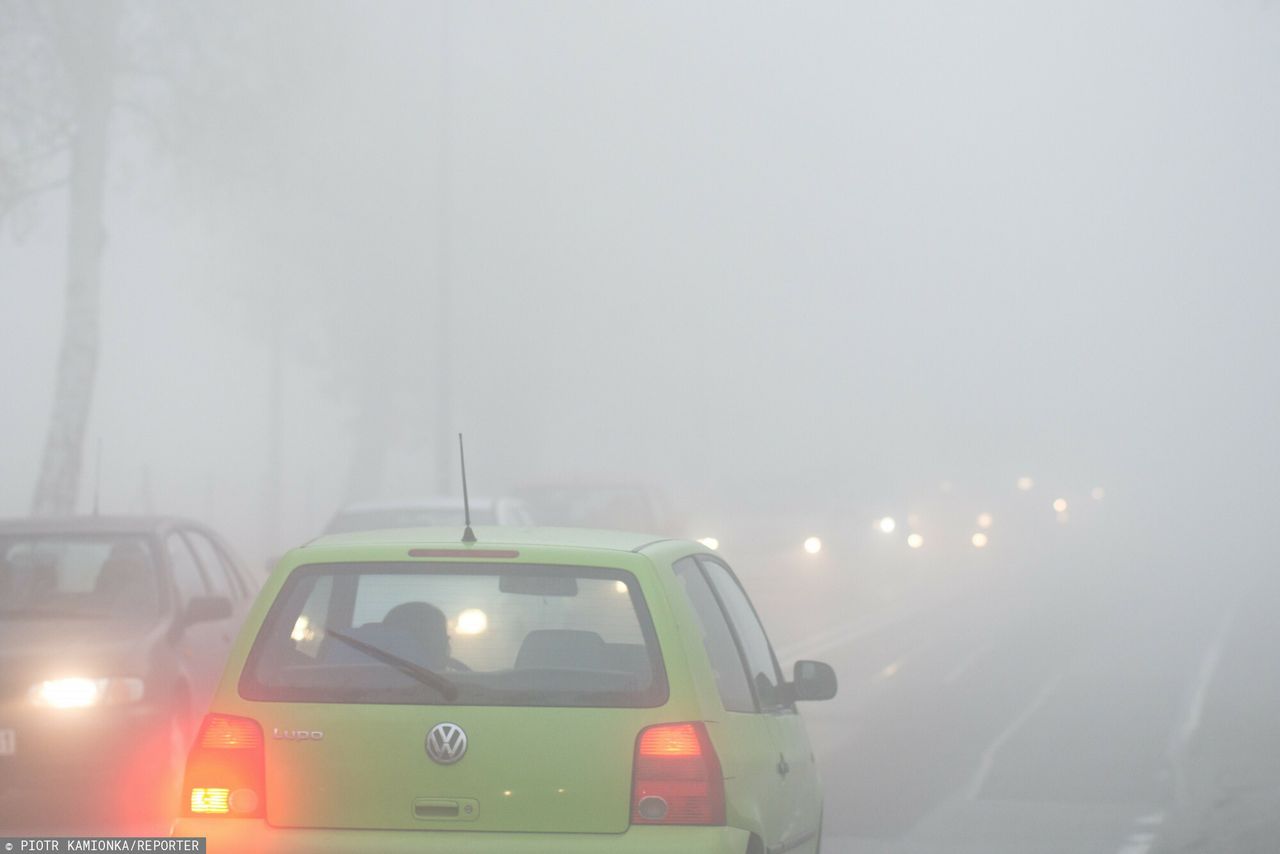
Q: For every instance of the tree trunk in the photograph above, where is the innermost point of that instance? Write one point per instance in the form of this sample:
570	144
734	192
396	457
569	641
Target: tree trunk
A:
87	53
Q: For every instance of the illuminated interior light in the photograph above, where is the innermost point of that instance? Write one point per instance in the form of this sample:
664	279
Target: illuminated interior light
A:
915	541
887	524
1025	484
979	540
985	520
813	545
1060	505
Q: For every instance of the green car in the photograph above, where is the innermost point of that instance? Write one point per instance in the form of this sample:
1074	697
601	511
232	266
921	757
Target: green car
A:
541	690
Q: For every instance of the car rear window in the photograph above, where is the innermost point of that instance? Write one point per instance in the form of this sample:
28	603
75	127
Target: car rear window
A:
78	575
498	635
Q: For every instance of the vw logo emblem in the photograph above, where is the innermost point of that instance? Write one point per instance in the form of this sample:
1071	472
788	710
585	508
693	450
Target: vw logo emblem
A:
446	743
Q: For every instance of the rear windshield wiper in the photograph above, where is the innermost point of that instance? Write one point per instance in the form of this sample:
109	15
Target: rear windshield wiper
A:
427	677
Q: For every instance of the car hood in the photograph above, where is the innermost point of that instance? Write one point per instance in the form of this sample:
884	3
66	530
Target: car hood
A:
34	650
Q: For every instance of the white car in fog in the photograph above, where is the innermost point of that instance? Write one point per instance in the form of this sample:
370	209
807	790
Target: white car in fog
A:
427	513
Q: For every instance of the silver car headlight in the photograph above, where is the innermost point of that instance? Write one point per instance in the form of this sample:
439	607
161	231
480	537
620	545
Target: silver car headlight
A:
79	692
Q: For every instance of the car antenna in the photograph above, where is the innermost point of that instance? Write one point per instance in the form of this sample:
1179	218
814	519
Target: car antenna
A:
468	535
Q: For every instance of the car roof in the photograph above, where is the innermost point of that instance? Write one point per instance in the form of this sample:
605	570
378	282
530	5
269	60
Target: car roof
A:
493	535
93	524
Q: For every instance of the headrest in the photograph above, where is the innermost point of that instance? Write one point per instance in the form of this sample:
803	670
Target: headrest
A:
562	648
408	615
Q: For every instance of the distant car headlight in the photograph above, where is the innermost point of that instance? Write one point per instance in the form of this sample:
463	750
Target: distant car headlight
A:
472	621
78	692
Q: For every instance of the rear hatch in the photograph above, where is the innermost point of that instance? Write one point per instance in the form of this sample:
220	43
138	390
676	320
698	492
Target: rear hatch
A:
547	672
525	769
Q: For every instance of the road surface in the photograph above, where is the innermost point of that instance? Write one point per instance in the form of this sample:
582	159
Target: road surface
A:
1048	707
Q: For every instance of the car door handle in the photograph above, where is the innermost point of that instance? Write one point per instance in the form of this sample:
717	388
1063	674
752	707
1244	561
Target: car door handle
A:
783	768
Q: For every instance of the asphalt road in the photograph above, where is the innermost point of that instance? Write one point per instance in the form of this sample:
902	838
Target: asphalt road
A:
1229	781
1041	706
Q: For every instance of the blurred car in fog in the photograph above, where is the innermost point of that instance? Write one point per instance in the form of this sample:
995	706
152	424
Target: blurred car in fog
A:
619	506
113	634
427	513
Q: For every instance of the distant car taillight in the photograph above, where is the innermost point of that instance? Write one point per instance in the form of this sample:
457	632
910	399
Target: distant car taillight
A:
225	769
676	777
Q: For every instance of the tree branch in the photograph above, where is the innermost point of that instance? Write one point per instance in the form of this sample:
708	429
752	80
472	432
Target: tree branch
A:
10	201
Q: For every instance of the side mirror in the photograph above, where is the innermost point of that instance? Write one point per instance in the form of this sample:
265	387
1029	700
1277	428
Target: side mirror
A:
813	680
206	609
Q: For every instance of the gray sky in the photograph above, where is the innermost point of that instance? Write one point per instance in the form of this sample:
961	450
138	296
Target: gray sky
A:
862	247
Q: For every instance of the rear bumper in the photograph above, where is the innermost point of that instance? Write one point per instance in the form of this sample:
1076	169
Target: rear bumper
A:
80	762
232	835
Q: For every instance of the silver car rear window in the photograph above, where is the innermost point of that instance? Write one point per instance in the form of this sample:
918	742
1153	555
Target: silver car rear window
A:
107	576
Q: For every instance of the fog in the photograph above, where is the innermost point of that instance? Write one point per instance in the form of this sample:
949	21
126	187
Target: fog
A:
790	266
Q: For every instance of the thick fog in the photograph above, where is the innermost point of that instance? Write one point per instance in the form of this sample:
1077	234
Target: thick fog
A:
703	245
789	266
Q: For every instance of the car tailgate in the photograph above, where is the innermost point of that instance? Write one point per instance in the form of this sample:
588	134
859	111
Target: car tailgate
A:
525	768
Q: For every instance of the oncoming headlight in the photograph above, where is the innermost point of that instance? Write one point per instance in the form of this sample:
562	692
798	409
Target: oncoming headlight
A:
78	692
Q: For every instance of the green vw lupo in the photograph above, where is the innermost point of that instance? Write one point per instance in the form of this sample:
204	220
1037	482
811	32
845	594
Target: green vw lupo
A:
541	690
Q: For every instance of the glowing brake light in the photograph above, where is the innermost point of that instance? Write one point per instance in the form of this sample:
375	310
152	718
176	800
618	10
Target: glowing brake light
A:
669	741
210	801
231	733
225	773
676	777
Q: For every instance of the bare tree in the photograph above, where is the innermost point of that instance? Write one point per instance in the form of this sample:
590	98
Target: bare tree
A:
57	98
69	72
236	115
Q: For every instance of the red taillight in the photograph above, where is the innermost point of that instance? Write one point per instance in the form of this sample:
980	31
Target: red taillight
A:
224	731
677	778
225	769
